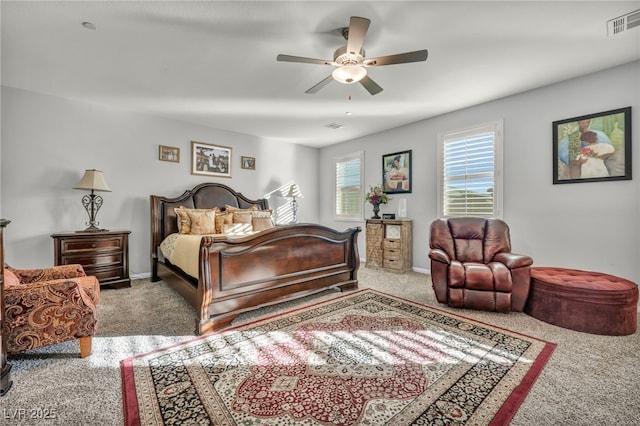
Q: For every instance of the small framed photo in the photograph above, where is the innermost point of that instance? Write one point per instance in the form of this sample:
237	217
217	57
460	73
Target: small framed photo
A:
210	160
248	163
169	153
396	172
593	148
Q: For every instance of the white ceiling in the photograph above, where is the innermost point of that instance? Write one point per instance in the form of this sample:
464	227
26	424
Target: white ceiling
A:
214	62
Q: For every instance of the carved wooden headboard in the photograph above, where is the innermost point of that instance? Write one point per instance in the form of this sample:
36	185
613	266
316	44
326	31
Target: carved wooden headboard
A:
204	196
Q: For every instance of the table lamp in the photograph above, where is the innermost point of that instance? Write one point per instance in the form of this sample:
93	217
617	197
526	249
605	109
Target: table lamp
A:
92	180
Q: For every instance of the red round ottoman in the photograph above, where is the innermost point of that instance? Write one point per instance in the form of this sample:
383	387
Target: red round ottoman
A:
586	301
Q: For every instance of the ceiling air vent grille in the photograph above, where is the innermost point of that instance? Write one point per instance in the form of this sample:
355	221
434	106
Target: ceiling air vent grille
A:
334	126
623	23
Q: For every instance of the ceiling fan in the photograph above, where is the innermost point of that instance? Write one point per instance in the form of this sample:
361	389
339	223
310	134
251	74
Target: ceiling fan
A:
351	65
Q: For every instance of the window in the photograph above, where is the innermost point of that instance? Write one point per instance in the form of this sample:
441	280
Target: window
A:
470	171
348	184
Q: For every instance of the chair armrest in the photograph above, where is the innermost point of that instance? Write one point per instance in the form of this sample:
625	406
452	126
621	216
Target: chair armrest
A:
439	256
27	276
513	260
56	291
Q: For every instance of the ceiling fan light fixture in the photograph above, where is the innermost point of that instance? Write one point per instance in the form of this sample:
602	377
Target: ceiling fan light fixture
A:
348	74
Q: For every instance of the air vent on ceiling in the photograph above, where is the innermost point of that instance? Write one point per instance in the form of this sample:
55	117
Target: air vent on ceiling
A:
623	23
334	126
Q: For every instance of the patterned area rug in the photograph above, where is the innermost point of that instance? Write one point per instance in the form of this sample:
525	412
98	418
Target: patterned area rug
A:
366	358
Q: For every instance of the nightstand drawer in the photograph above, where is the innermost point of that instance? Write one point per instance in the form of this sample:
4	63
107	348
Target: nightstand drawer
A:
392	264
105	274
80	245
93	260
393	254
391	244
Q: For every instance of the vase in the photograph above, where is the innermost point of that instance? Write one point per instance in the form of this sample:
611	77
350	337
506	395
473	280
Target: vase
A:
376	209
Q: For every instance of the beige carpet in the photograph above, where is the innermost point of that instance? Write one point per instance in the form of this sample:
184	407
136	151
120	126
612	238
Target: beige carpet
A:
589	380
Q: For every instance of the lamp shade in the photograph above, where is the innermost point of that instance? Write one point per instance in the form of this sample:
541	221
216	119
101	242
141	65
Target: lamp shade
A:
294	191
94	180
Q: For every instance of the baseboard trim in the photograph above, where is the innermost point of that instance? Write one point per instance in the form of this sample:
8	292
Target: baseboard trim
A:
426	271
140	276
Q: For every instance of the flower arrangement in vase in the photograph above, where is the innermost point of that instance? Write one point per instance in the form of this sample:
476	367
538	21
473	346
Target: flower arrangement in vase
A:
376	196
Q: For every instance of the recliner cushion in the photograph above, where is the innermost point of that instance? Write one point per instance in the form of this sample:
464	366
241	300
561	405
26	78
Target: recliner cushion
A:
468	236
478	277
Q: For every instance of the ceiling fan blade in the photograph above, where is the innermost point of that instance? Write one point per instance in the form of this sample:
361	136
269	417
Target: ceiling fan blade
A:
400	58
371	86
290	58
357	31
317	87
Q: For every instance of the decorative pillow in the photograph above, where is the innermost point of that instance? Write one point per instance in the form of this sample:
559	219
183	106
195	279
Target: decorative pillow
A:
236	228
184	222
242	217
262	223
183	219
203	222
262	213
229	208
221	219
10	279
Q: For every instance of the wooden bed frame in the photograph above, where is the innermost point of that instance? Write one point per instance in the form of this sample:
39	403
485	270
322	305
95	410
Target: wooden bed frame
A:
240	274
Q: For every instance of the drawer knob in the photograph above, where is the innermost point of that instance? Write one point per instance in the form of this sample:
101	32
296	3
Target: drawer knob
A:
93	245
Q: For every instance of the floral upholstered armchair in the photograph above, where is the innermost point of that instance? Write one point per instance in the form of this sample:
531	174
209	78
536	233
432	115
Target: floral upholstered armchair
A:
48	306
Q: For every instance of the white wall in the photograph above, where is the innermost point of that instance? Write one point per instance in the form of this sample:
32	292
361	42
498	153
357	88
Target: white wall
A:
48	142
583	225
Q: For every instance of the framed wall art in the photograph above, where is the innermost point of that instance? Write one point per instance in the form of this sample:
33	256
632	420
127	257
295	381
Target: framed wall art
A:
593	148
396	172
210	160
248	163
169	153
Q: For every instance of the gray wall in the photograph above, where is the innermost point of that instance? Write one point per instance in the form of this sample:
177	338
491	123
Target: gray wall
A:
48	142
583	225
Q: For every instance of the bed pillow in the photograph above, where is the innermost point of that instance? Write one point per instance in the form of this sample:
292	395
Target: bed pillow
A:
238	209
262	213
222	219
184	222
262	223
237	228
202	222
242	217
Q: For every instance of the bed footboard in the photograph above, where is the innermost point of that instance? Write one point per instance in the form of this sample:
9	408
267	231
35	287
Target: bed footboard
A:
283	263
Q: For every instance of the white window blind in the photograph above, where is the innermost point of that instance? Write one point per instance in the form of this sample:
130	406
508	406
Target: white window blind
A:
469	170
348	186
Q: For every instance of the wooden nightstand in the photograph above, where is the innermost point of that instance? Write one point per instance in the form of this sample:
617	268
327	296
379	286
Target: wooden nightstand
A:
103	254
389	244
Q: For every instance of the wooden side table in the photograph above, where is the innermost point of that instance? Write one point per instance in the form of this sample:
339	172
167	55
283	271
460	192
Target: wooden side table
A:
389	244
5	380
104	254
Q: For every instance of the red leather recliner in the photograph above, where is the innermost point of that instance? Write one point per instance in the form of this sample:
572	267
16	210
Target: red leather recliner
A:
472	265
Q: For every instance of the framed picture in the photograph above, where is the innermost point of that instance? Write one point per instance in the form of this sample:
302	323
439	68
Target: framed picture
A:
396	172
248	163
593	148
210	160
169	153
